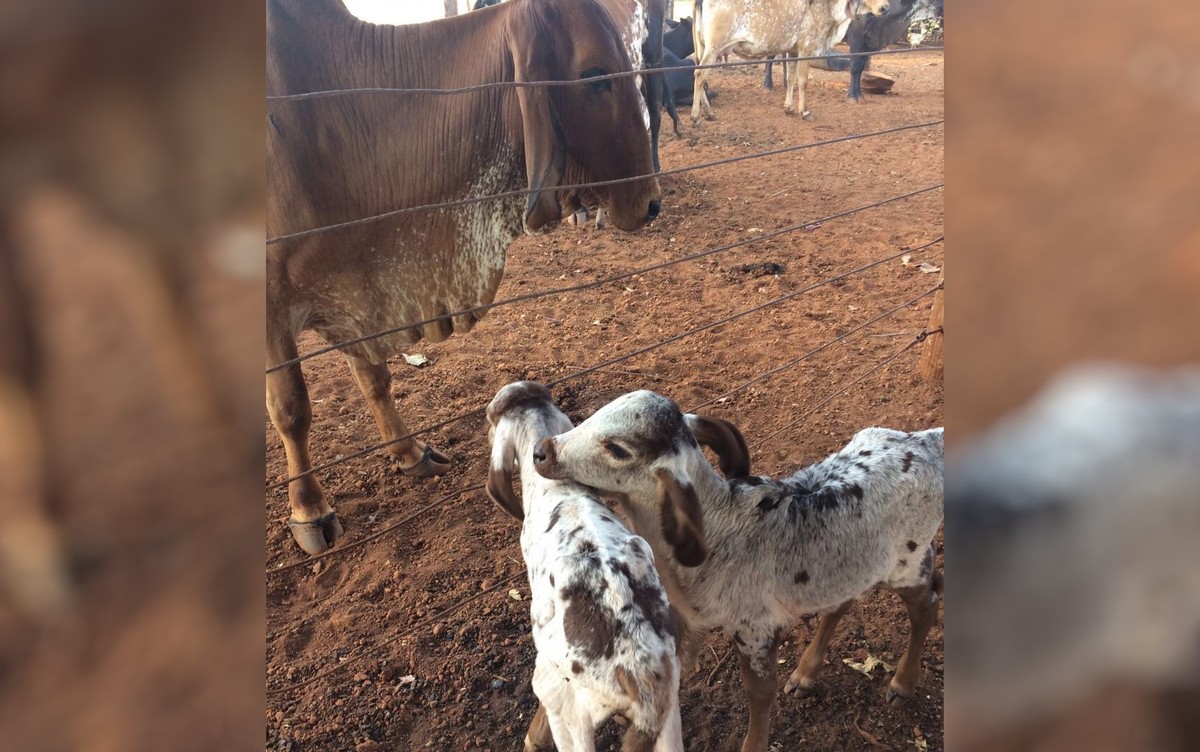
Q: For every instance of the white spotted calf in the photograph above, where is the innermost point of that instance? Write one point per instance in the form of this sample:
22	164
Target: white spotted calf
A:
776	549
602	625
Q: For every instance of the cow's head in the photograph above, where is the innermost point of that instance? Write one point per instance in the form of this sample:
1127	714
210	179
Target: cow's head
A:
587	132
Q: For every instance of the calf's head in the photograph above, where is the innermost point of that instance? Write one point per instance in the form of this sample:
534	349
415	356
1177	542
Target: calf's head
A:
874	7
638	447
589	131
519	416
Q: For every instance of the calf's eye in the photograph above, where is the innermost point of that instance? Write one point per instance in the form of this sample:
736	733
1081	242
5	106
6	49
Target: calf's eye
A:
616	450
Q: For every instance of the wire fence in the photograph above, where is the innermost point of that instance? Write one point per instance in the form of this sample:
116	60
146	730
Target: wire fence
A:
379	649
525	298
343	549
589	186
603	364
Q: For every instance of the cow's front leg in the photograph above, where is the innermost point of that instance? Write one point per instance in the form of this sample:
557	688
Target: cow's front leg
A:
417	458
802	88
314	524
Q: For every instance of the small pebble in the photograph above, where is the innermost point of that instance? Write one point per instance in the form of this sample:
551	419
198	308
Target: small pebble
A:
497	684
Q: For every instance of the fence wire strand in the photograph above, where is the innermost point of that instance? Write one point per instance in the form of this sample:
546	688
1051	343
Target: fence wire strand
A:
606	280
336	552
596	184
796	361
841	390
400	636
330	93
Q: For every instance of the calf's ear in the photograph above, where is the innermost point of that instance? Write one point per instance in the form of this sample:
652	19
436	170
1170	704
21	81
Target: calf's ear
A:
531	44
726	440
500	478
682	519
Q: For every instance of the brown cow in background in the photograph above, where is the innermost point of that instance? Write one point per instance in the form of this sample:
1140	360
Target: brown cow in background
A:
337	159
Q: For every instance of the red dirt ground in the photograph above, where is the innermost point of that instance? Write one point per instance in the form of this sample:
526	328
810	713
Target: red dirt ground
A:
413	669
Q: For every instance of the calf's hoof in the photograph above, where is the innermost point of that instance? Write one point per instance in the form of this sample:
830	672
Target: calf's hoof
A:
432	463
317	536
895	694
802	687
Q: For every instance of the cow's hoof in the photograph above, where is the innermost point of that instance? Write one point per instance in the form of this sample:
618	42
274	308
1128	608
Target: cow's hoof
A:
432	463
858	100
317	536
896	695
806	115
799	687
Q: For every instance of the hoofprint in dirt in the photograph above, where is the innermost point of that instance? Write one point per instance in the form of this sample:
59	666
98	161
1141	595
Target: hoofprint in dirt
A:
410	668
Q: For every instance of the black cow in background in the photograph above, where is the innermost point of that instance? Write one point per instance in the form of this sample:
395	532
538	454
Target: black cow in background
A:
484	4
873	33
680	80
678	38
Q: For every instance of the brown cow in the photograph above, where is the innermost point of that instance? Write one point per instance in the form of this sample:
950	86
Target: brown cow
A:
342	158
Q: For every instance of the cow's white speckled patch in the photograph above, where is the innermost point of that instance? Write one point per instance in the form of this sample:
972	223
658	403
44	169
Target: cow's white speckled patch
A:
479	235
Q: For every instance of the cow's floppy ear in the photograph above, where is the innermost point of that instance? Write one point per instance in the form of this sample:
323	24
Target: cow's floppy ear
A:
532	52
726	440
682	519
500	478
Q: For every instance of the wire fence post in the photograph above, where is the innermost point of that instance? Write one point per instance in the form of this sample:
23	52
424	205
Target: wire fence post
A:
931	364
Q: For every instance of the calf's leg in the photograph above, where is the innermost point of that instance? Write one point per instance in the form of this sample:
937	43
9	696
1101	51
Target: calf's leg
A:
813	658
417	458
922	604
539	738
757	660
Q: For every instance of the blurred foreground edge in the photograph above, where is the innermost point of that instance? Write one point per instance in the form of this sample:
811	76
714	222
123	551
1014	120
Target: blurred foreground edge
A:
131	264
1074	572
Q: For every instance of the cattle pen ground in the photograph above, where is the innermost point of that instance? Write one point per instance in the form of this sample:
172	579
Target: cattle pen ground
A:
413	640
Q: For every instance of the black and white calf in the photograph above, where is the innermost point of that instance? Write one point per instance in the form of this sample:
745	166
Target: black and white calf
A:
776	549
602	625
